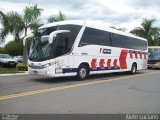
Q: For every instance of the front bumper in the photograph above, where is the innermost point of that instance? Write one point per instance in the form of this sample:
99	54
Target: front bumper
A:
154	65
49	71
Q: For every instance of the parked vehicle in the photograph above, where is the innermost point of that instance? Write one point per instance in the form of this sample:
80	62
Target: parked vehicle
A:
18	58
154	57
81	48
7	60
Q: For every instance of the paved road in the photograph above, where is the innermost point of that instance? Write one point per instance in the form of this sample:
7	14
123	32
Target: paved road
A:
108	93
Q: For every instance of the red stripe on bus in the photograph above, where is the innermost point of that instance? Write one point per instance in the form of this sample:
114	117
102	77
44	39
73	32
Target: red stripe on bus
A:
136	55
131	56
140	55
145	56
109	63
122	59
115	63
101	63
93	63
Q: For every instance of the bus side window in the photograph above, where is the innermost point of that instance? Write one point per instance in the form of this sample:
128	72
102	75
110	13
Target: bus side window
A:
95	37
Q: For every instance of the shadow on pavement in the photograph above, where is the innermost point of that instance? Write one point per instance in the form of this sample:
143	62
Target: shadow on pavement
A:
105	76
153	68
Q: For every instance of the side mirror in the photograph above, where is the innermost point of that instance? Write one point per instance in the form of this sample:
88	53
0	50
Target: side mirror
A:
25	38
53	35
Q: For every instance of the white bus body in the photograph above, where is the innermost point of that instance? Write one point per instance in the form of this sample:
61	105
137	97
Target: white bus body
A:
154	57
94	49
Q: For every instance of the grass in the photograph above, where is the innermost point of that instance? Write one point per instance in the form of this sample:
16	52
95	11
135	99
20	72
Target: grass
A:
7	70
20	68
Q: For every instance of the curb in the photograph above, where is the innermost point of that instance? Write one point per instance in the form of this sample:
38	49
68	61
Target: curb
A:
12	74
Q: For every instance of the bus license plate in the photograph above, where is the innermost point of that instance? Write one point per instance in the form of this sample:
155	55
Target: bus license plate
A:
35	72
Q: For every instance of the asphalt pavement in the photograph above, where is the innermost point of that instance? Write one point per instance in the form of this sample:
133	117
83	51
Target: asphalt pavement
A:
99	94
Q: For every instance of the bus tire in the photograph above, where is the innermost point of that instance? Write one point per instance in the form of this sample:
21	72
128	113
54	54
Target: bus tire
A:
133	68
82	72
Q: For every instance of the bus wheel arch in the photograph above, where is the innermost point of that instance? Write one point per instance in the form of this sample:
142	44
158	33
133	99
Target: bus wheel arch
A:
133	68
83	71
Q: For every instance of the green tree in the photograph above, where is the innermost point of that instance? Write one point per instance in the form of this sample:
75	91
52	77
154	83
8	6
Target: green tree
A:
148	30
11	23
30	20
16	24
2	50
52	19
14	48
59	17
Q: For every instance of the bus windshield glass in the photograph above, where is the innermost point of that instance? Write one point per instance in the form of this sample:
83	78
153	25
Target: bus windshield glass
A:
154	54
41	49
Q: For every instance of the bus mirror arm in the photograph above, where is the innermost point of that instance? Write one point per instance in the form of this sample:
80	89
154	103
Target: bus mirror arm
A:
53	35
25	38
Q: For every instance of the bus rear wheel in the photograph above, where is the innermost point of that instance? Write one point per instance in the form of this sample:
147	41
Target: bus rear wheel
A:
82	72
133	68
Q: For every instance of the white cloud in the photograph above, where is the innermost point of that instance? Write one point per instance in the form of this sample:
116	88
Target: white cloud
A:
8	6
114	12
120	13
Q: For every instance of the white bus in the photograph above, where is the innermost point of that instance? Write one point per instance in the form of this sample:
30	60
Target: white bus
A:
82	48
154	57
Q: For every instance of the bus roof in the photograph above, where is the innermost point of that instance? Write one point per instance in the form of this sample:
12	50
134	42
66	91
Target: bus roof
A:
153	46
74	22
92	24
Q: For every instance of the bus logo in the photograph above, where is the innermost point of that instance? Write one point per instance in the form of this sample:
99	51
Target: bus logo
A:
105	51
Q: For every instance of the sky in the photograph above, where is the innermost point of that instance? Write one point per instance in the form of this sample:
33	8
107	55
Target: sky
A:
119	13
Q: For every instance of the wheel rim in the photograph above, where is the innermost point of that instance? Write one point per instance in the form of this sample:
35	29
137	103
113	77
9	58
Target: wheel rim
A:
82	73
134	69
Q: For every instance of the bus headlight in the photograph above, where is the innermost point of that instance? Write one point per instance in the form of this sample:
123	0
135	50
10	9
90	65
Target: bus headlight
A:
58	70
49	64
46	65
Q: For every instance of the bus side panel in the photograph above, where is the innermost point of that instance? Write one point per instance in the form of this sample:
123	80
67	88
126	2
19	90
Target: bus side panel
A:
101	59
86	54
138	57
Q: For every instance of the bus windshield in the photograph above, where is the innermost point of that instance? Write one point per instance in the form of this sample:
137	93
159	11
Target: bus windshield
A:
41	49
154	54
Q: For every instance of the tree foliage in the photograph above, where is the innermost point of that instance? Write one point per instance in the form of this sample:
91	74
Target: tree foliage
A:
14	48
30	18
15	23
51	19
11	23
149	31
2	50
59	17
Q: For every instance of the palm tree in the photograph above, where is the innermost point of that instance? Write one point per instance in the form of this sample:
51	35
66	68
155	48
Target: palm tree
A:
59	17
17	24
156	38
11	23
30	20
148	31
52	19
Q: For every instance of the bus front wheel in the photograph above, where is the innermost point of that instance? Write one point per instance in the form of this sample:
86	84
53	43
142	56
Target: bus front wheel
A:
82	72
